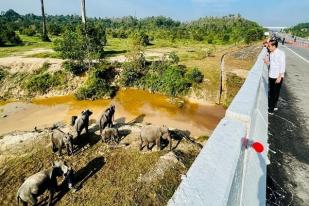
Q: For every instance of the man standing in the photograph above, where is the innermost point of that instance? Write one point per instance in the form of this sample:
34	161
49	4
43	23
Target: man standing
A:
276	74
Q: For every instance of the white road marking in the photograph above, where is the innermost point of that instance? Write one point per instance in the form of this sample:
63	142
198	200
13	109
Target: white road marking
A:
297	54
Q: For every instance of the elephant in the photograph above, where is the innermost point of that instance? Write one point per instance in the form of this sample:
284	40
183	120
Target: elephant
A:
110	134
106	119
60	139
38	183
153	134
82	122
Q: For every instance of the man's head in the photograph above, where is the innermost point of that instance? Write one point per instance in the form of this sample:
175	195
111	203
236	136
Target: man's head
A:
272	45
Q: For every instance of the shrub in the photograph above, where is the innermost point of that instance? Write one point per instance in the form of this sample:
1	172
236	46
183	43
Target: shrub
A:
43	82
44	68
173	58
96	86
3	74
28	31
173	82
194	75
130	76
8	36
133	71
74	67
40	83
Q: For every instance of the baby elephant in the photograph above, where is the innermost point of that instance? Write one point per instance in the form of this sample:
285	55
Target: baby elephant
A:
110	134
82	122
153	134
38	183
60	139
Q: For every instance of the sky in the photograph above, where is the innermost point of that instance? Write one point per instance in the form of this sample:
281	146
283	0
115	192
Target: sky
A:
264	12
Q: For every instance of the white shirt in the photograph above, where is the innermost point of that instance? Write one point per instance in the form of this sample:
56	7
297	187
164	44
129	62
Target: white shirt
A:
277	64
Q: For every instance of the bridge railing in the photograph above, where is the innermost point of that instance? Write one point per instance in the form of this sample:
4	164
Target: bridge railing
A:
226	172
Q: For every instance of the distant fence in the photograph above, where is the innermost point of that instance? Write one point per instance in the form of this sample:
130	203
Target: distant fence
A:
226	172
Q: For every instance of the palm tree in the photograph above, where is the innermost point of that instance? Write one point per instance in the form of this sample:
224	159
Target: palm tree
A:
44	35
83	7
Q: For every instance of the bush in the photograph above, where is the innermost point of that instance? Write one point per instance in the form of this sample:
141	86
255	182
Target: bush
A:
140	39
71	46
173	58
3	74
40	83
8	36
28	31
133	71
43	69
173	82
130	76
96	86
194	75
74	67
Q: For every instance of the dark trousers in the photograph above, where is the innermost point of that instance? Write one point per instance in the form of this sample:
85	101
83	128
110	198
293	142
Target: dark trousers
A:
273	93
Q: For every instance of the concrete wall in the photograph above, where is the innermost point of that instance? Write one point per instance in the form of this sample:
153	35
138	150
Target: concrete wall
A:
226	172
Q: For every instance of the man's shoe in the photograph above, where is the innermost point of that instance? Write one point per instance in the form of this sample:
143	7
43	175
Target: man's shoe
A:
270	111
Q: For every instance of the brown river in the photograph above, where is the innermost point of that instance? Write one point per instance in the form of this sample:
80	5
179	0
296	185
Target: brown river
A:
130	105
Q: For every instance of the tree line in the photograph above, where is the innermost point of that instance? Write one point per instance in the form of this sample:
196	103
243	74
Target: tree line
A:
301	30
213	30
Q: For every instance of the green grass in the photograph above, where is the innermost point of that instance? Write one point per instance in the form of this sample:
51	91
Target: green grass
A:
29	44
45	55
105	176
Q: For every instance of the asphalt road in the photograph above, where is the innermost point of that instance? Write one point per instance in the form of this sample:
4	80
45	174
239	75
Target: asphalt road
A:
288	173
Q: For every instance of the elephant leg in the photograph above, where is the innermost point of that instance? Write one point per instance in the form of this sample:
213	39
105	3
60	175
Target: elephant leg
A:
53	147
60	150
141	146
50	199
32	199
101	130
68	150
148	146
23	203
158	143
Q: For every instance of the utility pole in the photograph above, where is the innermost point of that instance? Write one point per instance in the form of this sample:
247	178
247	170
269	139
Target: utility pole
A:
222	83
44	35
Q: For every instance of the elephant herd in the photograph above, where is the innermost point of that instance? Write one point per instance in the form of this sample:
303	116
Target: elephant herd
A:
38	183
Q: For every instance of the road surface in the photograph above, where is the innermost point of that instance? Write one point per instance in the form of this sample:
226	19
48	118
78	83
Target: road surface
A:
288	173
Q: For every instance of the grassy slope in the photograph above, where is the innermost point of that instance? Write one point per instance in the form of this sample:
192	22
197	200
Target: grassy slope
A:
105	176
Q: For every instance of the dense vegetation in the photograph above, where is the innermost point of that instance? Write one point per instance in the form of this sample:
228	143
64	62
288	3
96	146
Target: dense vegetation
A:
99	83
164	76
301	30
216	30
42	81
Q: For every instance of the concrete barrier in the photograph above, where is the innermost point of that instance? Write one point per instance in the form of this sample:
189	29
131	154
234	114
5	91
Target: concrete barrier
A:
226	172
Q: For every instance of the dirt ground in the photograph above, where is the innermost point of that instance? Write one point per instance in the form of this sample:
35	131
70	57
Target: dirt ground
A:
105	174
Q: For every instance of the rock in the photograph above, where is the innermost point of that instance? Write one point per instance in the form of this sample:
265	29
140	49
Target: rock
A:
165	162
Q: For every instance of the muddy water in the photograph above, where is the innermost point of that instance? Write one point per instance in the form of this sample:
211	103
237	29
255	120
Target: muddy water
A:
131	105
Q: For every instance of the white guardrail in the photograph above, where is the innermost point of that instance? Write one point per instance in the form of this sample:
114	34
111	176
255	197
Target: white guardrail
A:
226	172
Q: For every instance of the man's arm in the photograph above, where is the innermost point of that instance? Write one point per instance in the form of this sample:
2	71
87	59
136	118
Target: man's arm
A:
282	68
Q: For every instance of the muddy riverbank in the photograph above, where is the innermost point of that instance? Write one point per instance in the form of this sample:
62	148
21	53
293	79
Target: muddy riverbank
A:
130	105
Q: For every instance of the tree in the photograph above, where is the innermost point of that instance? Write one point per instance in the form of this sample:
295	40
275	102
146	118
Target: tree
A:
44	34
71	46
83	8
